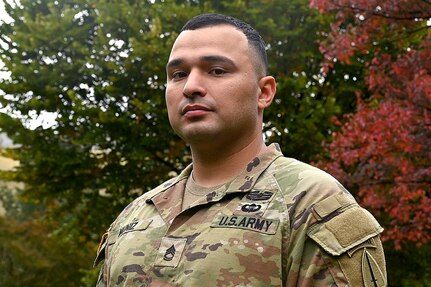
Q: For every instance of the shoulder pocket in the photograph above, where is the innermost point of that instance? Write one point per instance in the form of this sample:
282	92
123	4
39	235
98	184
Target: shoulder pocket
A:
344	231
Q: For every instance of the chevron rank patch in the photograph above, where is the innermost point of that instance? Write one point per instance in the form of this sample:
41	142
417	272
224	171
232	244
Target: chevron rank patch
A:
170	251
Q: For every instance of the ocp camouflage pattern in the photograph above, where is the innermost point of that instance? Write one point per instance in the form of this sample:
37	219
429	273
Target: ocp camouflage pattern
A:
279	223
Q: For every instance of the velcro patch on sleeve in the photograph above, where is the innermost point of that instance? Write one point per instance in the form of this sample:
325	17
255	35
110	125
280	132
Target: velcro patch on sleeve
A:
331	204
345	231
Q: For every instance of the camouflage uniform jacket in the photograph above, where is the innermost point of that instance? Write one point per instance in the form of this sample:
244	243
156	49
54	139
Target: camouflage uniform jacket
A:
279	223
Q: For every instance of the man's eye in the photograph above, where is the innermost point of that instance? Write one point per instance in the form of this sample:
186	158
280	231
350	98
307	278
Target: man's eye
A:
179	75
217	72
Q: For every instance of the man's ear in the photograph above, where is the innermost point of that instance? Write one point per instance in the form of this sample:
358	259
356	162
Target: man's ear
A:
267	88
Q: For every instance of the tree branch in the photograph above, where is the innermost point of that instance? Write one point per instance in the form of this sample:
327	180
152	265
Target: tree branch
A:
167	163
409	33
414	14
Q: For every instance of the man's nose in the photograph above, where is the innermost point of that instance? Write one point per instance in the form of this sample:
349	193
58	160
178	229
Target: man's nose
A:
194	85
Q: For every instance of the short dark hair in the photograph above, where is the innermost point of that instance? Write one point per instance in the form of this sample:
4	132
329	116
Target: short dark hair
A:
253	37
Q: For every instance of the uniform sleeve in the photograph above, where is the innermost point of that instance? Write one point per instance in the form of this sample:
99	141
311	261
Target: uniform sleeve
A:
100	257
107	240
340	247
101	280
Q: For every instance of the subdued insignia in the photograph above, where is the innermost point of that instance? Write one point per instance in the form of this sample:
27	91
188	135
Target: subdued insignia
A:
256	195
251	207
370	243
128	227
134	225
371	273
170	251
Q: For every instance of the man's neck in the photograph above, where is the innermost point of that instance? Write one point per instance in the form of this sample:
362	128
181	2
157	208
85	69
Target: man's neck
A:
211	168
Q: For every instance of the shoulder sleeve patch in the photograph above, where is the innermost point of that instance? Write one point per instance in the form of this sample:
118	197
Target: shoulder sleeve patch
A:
345	230
371	273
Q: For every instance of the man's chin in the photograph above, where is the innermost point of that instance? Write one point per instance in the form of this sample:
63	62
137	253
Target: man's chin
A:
201	136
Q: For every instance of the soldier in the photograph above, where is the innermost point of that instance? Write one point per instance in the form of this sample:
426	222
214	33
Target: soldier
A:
241	214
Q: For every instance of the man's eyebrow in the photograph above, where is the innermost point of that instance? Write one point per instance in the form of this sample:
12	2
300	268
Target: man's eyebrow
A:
217	59
174	63
210	59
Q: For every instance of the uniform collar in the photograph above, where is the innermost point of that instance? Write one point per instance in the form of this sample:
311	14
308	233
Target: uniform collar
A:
168	197
246	179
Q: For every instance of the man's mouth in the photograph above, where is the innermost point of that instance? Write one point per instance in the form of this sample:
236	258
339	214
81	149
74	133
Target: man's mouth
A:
195	109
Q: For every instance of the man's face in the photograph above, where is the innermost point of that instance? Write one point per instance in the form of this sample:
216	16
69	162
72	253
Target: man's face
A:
212	87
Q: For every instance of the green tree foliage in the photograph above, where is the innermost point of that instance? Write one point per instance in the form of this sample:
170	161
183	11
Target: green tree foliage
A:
30	257
99	67
30	254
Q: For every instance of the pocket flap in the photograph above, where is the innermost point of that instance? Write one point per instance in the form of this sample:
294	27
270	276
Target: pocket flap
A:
345	231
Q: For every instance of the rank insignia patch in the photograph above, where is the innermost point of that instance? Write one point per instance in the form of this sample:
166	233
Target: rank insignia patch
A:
170	251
